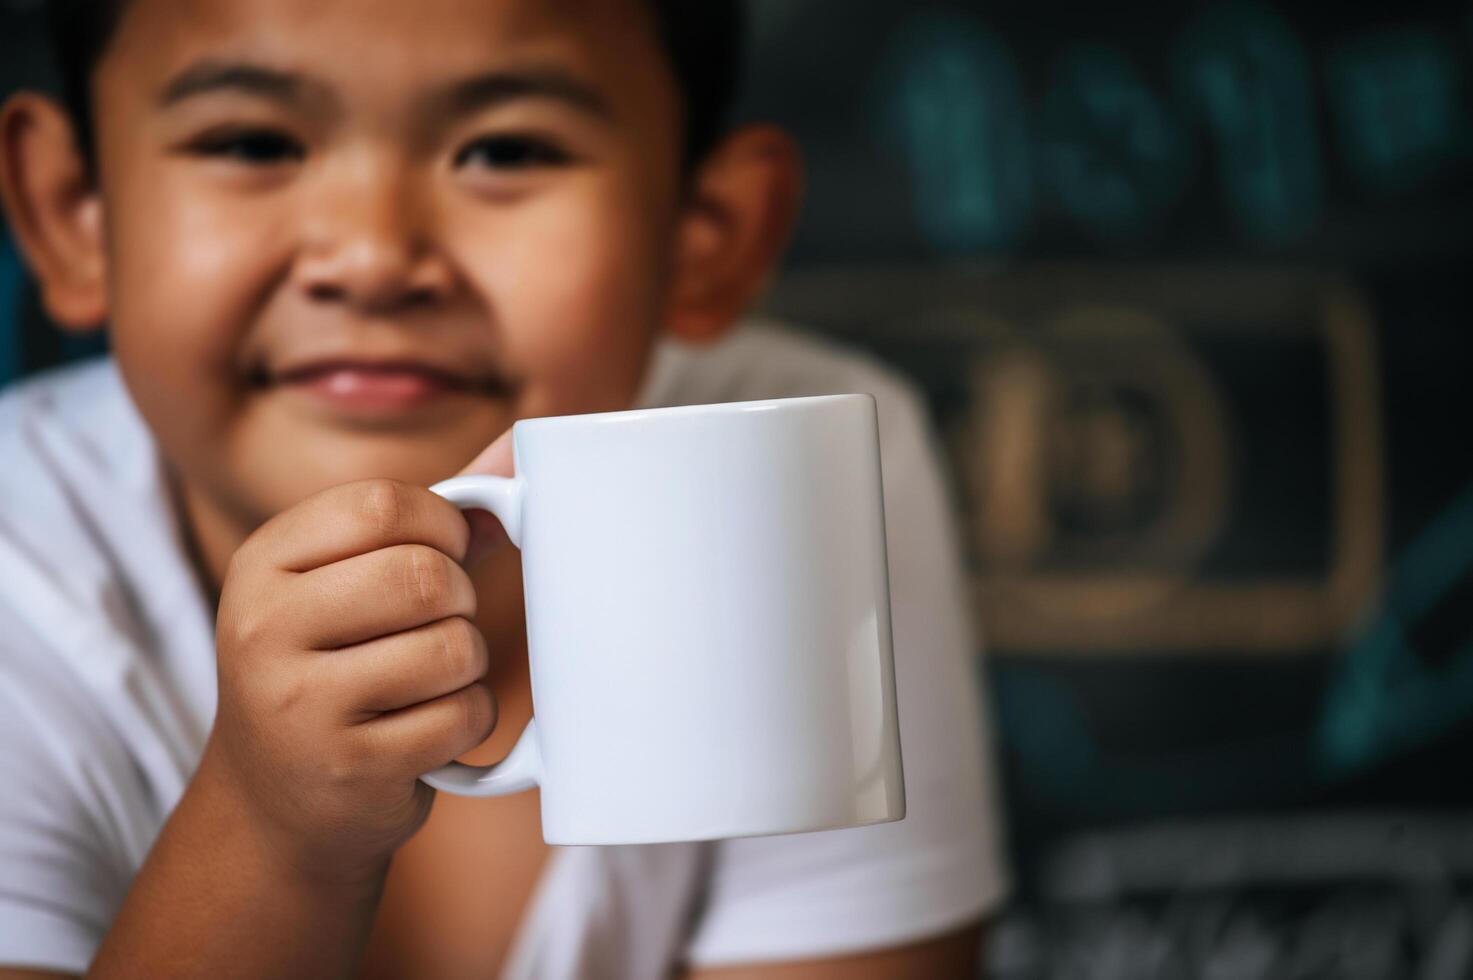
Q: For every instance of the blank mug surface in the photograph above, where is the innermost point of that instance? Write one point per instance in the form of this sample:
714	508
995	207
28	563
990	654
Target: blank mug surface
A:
708	620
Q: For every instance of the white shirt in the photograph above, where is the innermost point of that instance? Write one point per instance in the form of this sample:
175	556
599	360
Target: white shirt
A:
107	692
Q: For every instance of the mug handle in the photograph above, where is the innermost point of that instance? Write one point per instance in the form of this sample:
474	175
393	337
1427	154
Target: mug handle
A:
522	768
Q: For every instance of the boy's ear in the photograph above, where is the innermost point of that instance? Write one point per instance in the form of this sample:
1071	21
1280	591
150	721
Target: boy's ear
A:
54	210
738	214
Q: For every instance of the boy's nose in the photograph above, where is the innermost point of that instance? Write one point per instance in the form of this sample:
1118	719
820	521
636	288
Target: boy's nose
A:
369	249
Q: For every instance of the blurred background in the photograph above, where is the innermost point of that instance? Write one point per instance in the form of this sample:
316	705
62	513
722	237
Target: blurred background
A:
1189	289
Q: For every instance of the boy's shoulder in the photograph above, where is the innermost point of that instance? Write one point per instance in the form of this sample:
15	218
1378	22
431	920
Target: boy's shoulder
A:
765	358
80	407
69	383
98	604
79	475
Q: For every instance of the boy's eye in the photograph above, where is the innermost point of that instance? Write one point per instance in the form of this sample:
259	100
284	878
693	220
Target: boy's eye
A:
511	153
259	147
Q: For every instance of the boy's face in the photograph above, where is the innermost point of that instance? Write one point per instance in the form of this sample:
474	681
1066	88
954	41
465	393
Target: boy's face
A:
354	238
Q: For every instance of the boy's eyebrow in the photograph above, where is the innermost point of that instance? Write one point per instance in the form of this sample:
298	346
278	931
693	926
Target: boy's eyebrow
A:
478	92
212	76
498	87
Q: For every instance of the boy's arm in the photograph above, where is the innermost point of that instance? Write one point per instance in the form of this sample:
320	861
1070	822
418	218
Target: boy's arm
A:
216	899
348	665
213	899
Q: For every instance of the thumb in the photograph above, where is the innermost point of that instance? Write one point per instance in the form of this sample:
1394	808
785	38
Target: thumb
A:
494	460
487	535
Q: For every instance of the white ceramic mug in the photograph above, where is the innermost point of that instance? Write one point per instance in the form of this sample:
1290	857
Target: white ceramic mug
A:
708	622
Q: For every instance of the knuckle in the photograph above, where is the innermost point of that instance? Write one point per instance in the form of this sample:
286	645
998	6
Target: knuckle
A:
290	693
248	556
384	505
239	563
427	578
367	751
352	763
476	713
463	650
246	623
345	774
348	765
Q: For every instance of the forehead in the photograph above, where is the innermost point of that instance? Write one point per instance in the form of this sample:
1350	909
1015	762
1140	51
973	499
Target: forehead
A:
393	46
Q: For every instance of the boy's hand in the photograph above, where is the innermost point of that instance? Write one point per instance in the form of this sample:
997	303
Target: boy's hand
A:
348	667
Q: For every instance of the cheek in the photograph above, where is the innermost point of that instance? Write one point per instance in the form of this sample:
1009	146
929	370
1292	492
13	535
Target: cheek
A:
188	273
191	268
576	283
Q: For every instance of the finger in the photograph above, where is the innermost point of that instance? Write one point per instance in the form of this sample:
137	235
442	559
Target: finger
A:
428	735
496	459
408	668
358	518
487	534
368	596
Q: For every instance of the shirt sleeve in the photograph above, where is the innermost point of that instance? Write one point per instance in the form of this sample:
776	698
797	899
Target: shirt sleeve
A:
940	868
60	881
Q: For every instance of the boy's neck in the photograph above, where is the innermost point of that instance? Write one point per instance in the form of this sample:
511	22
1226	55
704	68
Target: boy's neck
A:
210	536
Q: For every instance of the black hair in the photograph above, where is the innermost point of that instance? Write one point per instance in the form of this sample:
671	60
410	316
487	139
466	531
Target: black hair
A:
703	39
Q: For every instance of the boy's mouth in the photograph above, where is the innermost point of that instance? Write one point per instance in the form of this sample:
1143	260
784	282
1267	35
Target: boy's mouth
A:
361	387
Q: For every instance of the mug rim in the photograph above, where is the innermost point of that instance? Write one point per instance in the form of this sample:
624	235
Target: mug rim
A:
681	411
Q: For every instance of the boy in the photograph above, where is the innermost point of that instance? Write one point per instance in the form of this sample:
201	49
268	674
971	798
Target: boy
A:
341	247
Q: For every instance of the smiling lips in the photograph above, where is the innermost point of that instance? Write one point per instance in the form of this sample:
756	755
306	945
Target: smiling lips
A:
375	388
